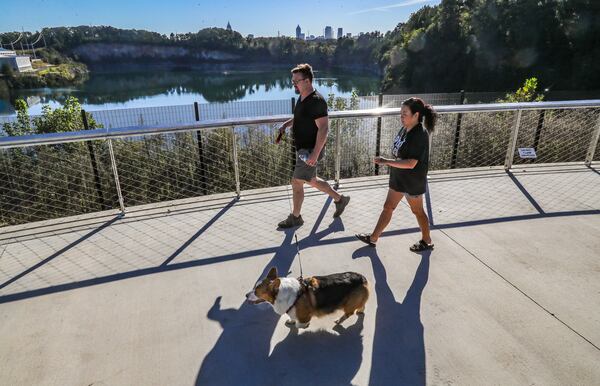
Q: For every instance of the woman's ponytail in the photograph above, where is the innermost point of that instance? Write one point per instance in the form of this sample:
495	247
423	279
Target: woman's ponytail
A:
430	118
416	105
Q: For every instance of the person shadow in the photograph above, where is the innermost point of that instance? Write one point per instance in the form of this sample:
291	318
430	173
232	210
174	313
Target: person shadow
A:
241	354
398	344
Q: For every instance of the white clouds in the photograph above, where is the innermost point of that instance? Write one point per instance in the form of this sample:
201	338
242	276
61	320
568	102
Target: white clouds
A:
385	8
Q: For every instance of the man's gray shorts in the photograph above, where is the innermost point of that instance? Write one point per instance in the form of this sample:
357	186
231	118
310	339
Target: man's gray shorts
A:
301	170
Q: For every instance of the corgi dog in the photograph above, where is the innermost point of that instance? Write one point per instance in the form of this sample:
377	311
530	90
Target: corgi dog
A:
316	296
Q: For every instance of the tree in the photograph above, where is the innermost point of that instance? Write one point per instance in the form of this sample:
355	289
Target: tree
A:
526	93
65	118
23	124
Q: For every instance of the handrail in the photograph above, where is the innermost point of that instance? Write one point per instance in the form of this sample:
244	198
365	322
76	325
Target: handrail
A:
108	133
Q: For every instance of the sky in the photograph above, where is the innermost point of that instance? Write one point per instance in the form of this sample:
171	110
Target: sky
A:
258	17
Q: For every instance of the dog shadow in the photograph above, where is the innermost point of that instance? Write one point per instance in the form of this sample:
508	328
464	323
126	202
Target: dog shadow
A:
398	345
241	354
320	357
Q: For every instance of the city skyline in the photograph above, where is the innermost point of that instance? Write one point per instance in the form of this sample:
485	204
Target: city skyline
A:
269	18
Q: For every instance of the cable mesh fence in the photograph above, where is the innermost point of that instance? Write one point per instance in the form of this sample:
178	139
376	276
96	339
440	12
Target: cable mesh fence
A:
145	116
262	163
435	99
561	135
50	181
213	111
164	167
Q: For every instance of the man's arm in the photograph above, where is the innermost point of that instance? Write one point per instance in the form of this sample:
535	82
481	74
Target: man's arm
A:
284	126
323	126
288	123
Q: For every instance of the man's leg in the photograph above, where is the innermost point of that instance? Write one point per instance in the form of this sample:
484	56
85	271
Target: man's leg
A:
294	219
298	195
323	186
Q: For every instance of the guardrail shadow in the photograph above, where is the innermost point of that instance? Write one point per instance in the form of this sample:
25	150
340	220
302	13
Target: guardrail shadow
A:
315	238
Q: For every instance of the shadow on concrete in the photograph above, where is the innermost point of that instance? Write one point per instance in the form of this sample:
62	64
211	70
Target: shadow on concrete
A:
318	357
200	232
311	240
315	238
398	345
60	252
241	354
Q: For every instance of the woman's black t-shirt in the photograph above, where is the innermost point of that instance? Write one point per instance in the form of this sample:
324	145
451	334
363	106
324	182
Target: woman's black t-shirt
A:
413	144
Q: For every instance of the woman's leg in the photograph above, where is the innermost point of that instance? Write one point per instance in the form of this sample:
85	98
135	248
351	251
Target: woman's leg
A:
416	206
391	202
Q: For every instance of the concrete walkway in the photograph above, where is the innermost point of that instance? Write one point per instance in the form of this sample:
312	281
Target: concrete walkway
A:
509	296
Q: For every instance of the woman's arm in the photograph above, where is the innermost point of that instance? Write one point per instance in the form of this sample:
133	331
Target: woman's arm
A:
400	164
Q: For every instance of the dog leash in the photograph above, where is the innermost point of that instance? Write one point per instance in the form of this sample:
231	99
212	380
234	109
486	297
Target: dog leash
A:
298	253
287	189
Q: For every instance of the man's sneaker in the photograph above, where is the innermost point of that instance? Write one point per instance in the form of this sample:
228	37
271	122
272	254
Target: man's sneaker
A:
341	205
291	221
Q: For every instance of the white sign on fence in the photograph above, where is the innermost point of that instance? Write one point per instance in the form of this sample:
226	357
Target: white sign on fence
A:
527	152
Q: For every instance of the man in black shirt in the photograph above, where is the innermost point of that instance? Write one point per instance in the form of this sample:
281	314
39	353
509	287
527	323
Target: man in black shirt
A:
309	131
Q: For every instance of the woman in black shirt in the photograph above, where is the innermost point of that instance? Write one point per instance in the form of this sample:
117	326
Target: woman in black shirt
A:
408	171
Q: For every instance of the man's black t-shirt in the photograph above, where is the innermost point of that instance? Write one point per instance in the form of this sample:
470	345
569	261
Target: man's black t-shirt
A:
411	145
304	130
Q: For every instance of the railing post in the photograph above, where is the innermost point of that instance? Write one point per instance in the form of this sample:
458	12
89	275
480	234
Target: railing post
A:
538	130
200	151
378	140
338	154
236	166
292	149
512	143
457	133
97	183
593	144
113	163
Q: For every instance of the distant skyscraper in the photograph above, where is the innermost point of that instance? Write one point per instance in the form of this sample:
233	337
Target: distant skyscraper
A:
349	35
228	26
340	32
328	32
298	32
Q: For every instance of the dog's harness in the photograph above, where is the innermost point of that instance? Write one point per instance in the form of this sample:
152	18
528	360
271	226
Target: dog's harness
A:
303	288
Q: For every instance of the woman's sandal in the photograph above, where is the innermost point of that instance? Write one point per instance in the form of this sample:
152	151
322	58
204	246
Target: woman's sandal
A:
365	238
421	246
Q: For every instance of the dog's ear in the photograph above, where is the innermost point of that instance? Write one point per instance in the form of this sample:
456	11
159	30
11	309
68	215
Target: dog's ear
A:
274	285
272	273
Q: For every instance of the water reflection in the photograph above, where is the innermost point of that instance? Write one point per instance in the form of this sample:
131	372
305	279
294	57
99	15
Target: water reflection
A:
167	87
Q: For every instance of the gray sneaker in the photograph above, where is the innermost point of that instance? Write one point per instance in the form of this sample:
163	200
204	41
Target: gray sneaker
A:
341	205
291	221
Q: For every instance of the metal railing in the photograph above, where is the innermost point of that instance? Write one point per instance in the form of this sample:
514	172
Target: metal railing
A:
61	174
